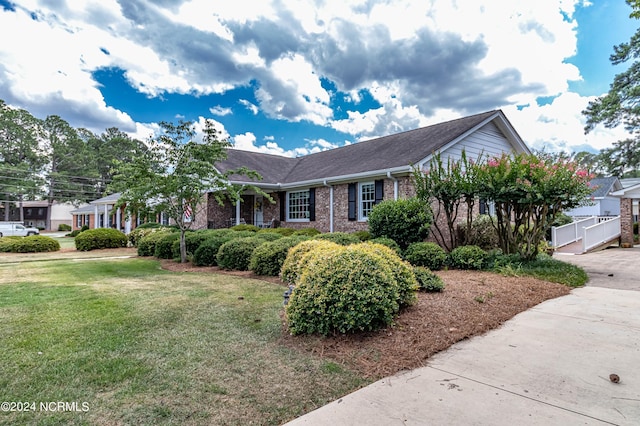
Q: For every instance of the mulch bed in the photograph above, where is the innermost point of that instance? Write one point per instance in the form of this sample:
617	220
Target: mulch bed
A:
472	303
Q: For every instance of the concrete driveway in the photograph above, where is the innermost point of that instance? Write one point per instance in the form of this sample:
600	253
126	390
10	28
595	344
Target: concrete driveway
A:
550	365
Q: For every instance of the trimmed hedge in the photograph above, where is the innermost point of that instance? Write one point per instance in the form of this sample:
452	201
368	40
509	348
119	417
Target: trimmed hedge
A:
427	280
352	289
235	254
245	227
429	255
362	235
468	257
63	227
147	244
137	234
295	261
164	246
341	238
31	244
309	232
405	221
206	254
387	242
267	259
402	271
285	232
100	238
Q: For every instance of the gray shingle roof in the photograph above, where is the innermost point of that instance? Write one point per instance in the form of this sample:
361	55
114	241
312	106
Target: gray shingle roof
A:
388	152
603	186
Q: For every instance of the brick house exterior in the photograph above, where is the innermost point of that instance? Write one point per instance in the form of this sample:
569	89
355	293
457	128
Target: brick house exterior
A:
334	190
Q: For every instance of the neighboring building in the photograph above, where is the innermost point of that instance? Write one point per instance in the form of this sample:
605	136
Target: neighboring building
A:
335	190
603	203
34	213
628	183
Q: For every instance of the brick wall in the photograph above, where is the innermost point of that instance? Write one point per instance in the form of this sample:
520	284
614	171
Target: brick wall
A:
626	222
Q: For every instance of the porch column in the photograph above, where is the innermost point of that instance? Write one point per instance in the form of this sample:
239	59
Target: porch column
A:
105	222
127	226
118	218
96	222
238	212
626	222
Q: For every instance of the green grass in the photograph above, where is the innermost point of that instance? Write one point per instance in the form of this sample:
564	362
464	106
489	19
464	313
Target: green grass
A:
146	346
545	268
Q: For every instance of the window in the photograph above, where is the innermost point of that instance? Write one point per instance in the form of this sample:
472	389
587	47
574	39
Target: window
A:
367	197
298	206
79	221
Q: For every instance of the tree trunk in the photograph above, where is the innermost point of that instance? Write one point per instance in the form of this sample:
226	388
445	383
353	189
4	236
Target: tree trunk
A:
183	247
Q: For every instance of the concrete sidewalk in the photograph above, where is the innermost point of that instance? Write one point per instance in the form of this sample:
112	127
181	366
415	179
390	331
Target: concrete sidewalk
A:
549	365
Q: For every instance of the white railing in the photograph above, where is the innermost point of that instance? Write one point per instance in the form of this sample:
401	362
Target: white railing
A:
571	232
600	233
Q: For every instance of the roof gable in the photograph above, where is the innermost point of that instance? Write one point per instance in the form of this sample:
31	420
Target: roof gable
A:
603	186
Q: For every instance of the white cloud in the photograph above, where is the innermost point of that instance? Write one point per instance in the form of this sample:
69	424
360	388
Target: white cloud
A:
221	111
248	105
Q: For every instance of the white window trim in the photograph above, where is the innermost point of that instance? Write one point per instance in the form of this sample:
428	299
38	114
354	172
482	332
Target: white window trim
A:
361	217
287	217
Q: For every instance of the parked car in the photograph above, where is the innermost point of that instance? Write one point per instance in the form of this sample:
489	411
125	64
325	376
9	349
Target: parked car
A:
10	229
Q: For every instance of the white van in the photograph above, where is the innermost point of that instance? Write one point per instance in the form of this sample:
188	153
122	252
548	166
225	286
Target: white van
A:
9	229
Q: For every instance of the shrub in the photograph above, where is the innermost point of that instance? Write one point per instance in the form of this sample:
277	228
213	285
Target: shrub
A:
74	233
192	241
341	238
268	236
235	254
206	254
483	233
100	238
404	221
267	259
387	242
468	257
147	244
245	227
149	225
295	261
430	255
35	244
164	246
137	234
351	290
309	232
6	243
63	227
402	271
362	235
84	228
427	280
285	232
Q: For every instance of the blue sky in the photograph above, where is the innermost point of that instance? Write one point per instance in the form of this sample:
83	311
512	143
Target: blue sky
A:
291	78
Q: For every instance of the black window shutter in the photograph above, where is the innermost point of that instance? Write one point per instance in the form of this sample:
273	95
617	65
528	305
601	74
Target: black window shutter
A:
312	204
353	197
379	185
283	205
483	206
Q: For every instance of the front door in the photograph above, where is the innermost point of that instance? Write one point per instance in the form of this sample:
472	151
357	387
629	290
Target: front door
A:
246	208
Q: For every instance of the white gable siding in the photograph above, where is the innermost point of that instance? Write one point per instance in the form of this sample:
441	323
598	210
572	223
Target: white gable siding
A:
486	141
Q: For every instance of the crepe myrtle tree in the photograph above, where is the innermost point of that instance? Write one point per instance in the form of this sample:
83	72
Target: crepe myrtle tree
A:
176	172
529	192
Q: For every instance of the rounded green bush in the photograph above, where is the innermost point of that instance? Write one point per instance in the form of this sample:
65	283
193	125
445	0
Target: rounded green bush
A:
295	261
147	243
351	290
31	244
149	225
63	227
402	271
309	232
342	238
245	227
100	238
206	254
268	236
235	254
6	243
429	255
285	232
468	257
137	234
164	246
483	233
405	221
267	259
427	280
192	241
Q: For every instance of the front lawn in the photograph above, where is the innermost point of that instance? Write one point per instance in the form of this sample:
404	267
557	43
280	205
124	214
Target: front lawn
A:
141	345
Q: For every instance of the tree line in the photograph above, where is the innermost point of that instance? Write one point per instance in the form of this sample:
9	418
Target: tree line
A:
48	159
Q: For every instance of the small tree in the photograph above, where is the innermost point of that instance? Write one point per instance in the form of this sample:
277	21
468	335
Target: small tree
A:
529	192
404	221
175	174
448	186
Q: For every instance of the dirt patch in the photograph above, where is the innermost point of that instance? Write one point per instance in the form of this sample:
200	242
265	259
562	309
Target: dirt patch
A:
471	304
